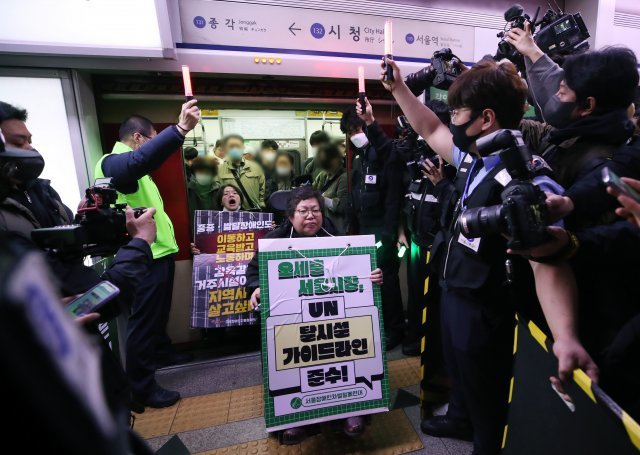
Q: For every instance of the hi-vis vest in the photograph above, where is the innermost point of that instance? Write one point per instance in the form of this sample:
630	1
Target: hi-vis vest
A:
147	195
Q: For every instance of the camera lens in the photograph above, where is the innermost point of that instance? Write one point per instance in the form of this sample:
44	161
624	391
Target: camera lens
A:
480	221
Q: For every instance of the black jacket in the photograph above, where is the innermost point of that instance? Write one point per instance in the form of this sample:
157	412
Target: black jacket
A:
126	169
375	208
284	231
38	206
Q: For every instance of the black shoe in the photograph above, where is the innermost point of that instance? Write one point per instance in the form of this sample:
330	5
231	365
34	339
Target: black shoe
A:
446	427
173	358
136	407
411	348
159	398
393	340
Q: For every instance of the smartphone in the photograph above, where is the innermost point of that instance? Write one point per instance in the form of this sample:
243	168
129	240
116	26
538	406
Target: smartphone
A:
611	179
92	300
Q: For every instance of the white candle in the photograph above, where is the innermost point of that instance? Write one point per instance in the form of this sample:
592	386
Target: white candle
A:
388	37
361	79
186	80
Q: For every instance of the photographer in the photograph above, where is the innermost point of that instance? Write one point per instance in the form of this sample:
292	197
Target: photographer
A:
585	105
139	152
376	196
130	265
423	182
477	310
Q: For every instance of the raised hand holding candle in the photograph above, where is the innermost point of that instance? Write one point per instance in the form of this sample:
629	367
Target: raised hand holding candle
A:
186	80
388	48
361	92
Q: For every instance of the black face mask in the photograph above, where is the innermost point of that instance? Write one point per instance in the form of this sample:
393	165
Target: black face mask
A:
23	166
460	138
558	113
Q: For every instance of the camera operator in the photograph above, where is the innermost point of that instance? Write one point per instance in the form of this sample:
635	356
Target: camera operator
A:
139	152
585	105
19	171
376	195
477	311
418	229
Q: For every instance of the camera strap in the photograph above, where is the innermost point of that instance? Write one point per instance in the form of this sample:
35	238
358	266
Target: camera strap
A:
236	176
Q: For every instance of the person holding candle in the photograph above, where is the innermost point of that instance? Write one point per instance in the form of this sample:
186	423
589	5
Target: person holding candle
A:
140	151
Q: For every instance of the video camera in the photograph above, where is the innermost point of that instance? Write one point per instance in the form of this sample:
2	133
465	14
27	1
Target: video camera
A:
444	69
523	215
558	34
99	228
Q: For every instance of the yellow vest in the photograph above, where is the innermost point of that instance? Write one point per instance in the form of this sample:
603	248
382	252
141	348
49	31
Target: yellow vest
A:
147	195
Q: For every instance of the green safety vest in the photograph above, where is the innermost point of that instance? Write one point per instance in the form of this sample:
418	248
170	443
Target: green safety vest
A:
147	195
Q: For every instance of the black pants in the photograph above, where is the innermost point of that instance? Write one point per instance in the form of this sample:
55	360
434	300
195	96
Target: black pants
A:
146	329
478	348
392	309
421	297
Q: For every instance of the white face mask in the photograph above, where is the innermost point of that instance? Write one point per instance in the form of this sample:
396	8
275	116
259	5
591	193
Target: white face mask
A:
268	157
359	140
283	171
204	179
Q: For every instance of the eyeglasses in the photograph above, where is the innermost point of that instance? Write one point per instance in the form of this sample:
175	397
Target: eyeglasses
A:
304	212
454	112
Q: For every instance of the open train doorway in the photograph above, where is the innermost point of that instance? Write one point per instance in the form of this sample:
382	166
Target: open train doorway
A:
286	110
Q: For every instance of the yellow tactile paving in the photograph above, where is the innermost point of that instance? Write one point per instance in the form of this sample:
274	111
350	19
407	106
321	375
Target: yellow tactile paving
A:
402	373
390	433
260	447
198	412
155	422
201	412
246	403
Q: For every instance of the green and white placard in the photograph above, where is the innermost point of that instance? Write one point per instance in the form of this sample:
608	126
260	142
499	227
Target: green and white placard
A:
323	347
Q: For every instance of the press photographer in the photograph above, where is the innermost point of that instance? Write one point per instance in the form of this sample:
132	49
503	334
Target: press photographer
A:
19	171
477	308
376	197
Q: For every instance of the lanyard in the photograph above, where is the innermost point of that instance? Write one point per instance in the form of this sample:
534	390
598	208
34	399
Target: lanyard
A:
470	177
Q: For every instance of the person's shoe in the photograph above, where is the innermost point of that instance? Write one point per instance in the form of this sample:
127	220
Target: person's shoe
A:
393	340
353	426
446	427
136	407
411	348
159	398
293	436
173	358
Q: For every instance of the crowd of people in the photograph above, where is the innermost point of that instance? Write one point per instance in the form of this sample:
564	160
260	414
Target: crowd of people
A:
409	191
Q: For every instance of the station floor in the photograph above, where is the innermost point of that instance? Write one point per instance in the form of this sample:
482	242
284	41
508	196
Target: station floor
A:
221	413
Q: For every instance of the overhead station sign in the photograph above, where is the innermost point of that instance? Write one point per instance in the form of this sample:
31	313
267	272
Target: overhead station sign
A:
239	26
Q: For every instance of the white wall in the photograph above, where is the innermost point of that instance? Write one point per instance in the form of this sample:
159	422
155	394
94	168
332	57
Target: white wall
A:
44	101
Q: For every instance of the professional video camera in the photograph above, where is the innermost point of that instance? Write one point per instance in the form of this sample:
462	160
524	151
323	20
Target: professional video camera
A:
441	73
558	33
523	215
99	228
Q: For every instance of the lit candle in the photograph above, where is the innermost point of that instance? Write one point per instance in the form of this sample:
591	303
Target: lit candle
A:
361	79
186	80
388	37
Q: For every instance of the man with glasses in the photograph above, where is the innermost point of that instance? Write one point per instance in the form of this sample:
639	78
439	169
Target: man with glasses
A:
477	305
140	151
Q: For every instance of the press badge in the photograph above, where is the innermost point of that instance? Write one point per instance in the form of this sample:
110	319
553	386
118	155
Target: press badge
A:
370	179
473	244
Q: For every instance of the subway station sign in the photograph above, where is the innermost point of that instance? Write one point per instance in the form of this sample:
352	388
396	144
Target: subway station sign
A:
241	26
322	332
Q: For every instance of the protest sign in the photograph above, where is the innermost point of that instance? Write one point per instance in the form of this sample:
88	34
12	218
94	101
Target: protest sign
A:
322	330
227	242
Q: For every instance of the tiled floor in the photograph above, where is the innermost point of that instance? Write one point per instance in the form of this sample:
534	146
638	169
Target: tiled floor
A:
221	412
